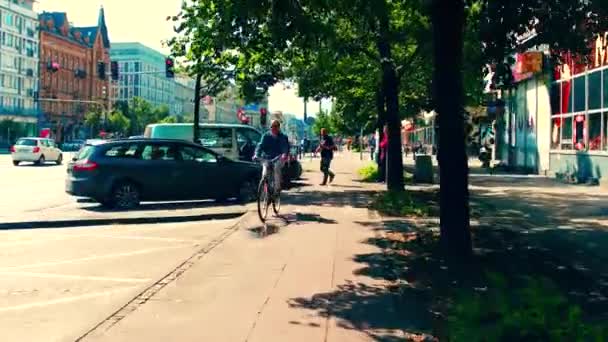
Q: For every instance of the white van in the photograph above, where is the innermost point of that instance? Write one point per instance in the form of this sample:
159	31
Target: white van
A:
234	141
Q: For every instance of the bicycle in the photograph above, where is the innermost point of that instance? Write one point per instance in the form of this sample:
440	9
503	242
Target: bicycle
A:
264	196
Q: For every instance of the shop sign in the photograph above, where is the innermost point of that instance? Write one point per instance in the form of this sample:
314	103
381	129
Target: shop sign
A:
527	64
530	62
601	50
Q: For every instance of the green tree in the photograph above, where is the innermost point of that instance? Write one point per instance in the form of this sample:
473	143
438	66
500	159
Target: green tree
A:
170	119
93	120
159	114
118	123
323	120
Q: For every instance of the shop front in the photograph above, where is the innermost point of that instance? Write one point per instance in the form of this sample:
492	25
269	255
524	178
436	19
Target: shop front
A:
556	118
579	118
523	129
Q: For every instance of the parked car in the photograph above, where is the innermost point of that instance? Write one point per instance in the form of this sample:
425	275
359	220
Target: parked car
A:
122	173
231	140
37	150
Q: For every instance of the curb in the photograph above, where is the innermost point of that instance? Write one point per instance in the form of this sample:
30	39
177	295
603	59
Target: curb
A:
118	221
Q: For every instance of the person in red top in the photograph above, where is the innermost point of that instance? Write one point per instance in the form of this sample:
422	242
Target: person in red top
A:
383	152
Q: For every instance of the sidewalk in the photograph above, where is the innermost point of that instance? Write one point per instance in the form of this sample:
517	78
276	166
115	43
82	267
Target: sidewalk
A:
316	279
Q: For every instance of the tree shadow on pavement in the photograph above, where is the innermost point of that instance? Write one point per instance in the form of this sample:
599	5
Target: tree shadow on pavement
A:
288	220
330	197
518	234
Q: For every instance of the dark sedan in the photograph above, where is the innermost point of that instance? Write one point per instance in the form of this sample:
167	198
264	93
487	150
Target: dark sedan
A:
122	173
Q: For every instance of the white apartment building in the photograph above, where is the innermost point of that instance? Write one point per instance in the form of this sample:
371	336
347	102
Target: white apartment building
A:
19	65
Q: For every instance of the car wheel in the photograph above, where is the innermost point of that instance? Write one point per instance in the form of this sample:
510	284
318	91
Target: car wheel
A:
60	159
248	191
16	163
125	195
41	161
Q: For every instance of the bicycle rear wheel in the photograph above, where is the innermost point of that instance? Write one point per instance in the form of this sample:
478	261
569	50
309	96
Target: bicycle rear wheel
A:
263	200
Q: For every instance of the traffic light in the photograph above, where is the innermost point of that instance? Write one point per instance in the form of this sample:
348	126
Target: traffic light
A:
263	114
169	72
114	70
101	70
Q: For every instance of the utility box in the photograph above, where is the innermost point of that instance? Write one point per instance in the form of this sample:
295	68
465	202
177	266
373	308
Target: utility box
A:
423	172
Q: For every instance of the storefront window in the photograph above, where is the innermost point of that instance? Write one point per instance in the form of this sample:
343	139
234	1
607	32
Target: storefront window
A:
595	131
567	134
555	133
595	90
580	94
556	98
605	87
605	129
567	97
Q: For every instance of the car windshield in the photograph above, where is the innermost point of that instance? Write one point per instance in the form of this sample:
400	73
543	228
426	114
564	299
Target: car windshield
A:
27	142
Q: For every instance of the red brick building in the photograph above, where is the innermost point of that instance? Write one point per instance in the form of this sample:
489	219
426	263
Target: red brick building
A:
69	58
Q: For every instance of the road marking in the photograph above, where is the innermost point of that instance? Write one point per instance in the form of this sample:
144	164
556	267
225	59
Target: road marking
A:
152	290
64	300
39	240
71	276
95	257
135	237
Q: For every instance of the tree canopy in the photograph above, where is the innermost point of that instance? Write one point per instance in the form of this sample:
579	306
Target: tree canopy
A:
381	61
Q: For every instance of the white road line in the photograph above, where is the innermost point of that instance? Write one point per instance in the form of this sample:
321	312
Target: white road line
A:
64	300
95	257
71	276
135	237
38	240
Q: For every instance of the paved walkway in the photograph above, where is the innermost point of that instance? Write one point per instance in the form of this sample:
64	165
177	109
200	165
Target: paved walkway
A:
307	282
323	275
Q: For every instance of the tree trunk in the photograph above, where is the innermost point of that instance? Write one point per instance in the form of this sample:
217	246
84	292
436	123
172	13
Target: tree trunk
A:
197	108
390	88
448	27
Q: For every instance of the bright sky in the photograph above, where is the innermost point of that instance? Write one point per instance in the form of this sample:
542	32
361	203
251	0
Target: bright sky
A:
144	21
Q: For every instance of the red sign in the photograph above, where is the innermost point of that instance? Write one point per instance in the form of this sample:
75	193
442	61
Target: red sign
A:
45	132
527	64
600	55
241	116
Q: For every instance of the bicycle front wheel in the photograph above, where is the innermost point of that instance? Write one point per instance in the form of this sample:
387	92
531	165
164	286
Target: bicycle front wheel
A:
276	204
263	200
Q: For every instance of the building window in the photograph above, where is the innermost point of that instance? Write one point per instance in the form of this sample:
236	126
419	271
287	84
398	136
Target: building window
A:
605	130
595	90
579	94
595	131
556	98
566	128
605	87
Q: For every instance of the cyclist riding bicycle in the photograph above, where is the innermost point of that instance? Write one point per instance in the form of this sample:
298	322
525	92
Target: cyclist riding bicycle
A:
272	145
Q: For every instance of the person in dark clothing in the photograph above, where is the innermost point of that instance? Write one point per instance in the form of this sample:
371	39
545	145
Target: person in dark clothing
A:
272	145
327	148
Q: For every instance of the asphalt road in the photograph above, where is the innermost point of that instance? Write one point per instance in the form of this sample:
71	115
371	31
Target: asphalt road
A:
66	265
57	284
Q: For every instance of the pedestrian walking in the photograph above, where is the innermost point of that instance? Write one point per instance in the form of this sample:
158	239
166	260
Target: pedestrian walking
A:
372	146
327	148
383	152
